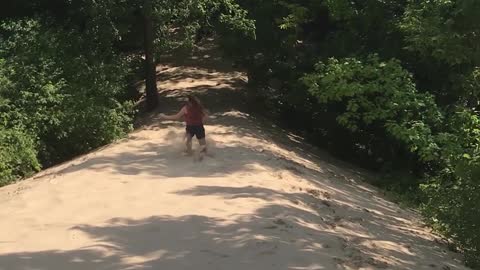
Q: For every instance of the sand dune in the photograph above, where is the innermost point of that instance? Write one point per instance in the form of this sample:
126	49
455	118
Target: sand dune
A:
261	201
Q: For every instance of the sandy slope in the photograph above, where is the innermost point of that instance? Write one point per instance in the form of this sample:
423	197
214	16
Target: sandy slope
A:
261	202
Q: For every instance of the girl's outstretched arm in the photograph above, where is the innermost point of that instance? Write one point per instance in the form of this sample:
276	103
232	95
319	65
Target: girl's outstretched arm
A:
177	116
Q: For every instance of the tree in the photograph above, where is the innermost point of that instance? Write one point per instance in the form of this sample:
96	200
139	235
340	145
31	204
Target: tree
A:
65	68
171	24
442	38
151	90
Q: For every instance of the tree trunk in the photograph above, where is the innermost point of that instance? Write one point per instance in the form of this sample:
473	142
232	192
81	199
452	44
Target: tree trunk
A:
150	64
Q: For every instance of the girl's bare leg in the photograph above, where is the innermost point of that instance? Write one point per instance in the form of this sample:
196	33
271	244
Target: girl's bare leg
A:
188	143
203	148
203	145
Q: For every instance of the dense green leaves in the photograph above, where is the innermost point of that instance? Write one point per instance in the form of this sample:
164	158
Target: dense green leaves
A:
380	95
443	36
54	93
18	155
65	65
178	25
375	93
392	85
444	30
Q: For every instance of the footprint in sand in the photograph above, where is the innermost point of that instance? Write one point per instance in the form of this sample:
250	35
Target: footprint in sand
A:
214	253
326	203
356	219
331	224
278	175
355	258
267	248
293	169
282	223
296	202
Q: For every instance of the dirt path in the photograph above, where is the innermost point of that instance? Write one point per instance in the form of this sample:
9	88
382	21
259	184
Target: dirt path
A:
262	202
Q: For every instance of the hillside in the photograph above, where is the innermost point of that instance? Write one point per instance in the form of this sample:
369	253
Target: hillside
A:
263	200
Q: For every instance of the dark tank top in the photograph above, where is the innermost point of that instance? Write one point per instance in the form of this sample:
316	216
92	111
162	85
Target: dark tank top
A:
193	116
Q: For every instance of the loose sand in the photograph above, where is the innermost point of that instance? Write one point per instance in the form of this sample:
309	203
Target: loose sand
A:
262	201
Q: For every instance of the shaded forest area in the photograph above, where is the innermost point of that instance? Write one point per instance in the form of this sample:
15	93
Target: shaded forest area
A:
392	86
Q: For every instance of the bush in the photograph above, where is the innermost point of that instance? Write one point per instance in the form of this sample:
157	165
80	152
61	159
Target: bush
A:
454	192
380	98
18	157
60	90
452	207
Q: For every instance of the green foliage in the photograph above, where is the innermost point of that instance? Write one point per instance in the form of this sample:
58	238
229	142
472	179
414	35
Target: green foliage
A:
453	192
452	207
18	156
375	93
381	96
416	113
64	74
56	94
444	30
370	97
441	35
234	18
178	25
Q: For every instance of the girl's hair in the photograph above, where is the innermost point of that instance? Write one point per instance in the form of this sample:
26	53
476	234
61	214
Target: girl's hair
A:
195	102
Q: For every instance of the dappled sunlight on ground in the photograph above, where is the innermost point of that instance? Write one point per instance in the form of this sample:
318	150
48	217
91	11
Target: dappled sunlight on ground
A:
262	199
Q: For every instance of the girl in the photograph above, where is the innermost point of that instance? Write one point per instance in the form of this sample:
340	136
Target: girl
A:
195	115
